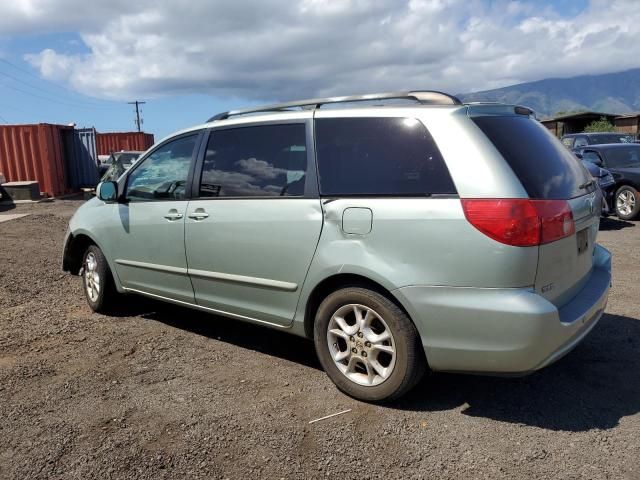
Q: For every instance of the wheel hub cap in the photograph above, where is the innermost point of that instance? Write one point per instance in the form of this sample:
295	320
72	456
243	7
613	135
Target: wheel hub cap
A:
361	345
626	202
91	277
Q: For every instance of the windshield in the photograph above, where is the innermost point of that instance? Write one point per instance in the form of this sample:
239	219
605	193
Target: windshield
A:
623	156
601	138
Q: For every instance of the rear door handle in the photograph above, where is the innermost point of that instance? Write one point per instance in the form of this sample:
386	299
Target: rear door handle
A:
173	214
198	214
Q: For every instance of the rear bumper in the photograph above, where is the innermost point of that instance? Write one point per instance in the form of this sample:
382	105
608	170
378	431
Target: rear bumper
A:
504	331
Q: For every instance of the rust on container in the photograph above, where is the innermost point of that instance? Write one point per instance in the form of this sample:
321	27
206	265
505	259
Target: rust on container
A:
107	143
34	152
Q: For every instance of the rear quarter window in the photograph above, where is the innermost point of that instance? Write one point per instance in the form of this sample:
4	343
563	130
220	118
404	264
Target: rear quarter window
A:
546	169
379	156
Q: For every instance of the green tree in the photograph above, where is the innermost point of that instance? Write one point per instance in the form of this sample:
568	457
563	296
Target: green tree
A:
602	125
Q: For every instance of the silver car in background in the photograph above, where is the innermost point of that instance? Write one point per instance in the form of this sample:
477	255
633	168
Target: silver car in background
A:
116	164
401	232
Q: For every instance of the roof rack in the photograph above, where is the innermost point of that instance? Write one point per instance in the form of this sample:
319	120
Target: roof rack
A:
425	97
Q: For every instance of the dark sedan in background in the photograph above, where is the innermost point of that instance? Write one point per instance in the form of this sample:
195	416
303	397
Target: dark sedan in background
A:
606	183
622	160
574	141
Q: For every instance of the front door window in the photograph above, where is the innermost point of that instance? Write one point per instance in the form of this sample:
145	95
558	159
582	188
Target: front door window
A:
163	174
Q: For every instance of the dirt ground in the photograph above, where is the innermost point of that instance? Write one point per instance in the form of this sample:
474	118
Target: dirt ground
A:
166	392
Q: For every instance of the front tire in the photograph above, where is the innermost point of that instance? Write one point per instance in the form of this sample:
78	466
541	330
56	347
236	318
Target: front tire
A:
99	288
627	203
367	345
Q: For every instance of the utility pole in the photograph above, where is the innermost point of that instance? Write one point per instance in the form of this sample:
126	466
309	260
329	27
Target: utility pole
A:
138	120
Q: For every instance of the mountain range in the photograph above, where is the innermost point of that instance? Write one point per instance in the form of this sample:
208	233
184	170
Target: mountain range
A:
608	93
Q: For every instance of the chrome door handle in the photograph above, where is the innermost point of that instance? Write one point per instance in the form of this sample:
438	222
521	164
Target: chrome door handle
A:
173	216
199	214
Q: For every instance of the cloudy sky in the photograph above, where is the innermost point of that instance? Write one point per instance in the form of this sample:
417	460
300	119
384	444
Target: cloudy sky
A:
81	61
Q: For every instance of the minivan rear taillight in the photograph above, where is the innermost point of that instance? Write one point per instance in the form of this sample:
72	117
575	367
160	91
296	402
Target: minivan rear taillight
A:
520	222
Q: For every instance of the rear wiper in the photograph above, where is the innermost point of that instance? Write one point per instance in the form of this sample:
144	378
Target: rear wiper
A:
586	185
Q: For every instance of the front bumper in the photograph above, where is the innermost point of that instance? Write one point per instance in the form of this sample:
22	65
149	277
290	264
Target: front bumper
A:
504	331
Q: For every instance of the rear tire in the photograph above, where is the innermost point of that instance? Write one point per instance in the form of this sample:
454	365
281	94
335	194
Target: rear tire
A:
627	203
99	288
367	345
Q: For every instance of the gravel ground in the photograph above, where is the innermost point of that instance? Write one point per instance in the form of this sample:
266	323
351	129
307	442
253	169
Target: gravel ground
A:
165	392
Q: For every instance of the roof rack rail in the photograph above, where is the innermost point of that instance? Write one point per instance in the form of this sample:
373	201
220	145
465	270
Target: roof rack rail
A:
425	97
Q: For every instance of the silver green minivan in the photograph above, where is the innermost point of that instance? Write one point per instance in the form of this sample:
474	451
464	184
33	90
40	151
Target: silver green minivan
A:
402	232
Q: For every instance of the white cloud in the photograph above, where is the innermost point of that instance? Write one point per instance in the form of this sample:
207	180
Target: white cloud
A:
280	49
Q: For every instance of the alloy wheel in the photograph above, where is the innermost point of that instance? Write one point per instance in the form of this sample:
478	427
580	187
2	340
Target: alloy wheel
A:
625	202
361	345
92	277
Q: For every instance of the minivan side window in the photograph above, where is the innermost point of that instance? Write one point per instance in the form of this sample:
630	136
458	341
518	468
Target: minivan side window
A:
379	156
256	161
163	174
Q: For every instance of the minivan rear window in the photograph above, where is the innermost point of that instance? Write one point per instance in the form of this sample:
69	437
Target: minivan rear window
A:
546	169
379	156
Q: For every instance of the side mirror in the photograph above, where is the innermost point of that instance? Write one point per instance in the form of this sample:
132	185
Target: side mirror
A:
579	155
107	191
597	161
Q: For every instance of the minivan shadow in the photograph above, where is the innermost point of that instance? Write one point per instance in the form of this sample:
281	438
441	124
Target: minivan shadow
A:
242	334
592	387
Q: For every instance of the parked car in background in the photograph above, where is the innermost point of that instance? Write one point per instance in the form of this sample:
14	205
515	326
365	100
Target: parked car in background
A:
103	163
623	162
606	183
364	228
117	164
576	140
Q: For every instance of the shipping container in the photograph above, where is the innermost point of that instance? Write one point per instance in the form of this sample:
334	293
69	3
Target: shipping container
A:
34	152
116	141
80	158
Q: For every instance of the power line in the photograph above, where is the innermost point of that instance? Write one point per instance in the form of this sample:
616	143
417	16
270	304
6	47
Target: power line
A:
66	104
3	60
81	103
109	103
4	106
86	105
138	120
29	85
